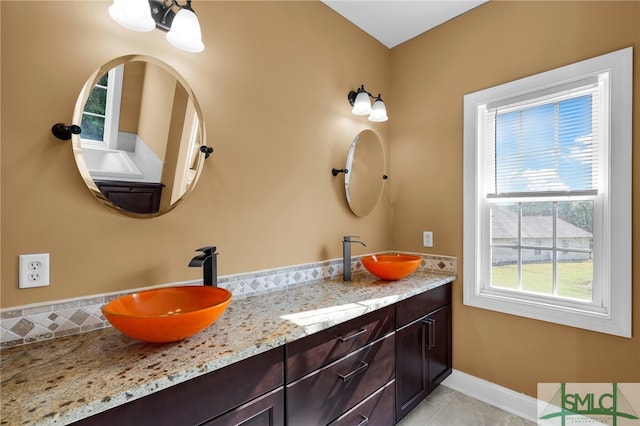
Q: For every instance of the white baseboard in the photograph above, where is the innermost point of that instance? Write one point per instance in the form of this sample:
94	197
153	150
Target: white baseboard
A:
506	399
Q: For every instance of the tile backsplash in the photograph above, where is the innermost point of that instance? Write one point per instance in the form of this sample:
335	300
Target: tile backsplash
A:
44	321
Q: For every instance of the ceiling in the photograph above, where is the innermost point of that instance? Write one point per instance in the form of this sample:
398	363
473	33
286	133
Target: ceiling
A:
394	22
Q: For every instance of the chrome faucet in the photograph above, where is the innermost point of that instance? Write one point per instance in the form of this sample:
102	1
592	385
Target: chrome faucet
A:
346	255
208	261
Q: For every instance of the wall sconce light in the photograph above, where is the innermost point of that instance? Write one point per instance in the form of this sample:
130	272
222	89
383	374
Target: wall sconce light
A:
182	26
361	103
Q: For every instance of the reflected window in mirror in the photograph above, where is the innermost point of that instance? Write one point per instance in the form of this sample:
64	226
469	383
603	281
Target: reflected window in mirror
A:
100	117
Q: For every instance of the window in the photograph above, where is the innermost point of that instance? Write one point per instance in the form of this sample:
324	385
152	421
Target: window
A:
101	114
547	195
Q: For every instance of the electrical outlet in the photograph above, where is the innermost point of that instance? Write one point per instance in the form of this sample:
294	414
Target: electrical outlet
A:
33	270
427	239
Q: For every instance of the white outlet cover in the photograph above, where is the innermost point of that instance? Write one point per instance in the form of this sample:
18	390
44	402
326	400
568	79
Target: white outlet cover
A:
33	270
427	239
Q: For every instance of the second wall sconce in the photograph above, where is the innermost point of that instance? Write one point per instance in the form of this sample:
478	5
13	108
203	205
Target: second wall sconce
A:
361	103
182	26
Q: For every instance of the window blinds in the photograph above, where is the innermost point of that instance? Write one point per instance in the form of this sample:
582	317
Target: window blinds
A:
545	142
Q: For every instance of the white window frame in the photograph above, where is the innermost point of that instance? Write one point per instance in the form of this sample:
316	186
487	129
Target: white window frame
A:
112	112
612	241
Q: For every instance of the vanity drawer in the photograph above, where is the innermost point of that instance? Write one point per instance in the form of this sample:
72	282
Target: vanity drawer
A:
377	410
201	399
326	394
421	304
268	410
319	349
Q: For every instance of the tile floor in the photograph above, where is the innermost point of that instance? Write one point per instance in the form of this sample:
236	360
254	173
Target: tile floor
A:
446	407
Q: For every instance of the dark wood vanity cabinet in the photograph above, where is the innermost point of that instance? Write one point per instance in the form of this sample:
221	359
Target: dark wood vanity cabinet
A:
248	393
135	197
343	374
371	370
423	346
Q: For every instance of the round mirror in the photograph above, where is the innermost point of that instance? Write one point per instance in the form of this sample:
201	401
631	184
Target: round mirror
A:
142	130
365	178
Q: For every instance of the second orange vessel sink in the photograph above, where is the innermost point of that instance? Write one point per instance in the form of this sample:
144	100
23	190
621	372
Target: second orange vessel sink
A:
391	267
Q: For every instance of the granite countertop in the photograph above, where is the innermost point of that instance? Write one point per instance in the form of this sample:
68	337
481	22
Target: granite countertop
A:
64	380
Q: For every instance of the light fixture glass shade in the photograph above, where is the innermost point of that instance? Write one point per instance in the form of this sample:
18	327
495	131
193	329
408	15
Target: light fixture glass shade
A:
185	32
378	111
362	104
132	14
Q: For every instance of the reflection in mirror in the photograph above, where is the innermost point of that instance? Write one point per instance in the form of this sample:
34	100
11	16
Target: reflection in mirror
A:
139	150
364	180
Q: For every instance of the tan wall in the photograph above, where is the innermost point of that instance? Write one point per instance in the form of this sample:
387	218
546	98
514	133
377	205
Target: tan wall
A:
132	83
493	44
156	107
272	84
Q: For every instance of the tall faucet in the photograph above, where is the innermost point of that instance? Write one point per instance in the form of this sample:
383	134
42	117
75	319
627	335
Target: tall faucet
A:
346	255
209	263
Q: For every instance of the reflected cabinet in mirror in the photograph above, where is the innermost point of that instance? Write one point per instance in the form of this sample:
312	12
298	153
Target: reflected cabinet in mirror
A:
142	129
365	175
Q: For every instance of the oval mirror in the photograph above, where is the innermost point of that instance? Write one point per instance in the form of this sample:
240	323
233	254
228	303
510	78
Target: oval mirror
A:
142	130
365	178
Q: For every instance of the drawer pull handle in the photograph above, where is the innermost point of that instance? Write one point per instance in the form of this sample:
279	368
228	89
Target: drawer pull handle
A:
365	420
432	334
431	338
353	336
345	377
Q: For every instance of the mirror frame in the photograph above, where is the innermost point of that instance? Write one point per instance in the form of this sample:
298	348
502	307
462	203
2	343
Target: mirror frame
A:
351	170
77	144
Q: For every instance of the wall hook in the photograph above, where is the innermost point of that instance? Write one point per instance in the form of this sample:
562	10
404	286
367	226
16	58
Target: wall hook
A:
64	132
207	150
335	171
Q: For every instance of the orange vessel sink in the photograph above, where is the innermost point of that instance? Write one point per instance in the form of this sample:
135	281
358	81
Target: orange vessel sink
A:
167	314
391	267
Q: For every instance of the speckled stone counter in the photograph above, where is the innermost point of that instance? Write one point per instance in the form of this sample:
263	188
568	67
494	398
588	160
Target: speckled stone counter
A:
63	380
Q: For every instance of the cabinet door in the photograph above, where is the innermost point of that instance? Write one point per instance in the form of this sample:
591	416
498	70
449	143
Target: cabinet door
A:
423	358
135	197
439	346
267	410
411	366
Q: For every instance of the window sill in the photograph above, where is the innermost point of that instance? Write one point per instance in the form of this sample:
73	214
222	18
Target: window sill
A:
538	310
